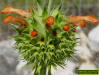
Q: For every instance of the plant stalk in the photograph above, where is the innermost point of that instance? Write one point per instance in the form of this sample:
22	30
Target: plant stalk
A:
43	70
49	71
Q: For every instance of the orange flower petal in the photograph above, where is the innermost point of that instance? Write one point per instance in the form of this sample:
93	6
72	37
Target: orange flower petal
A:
10	19
10	9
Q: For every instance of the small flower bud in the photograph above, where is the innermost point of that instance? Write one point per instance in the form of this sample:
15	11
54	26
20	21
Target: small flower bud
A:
66	27
34	33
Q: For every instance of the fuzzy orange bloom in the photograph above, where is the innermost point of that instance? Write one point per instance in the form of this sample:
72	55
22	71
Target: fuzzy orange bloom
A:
81	20
9	19
50	20
34	33
66	27
10	9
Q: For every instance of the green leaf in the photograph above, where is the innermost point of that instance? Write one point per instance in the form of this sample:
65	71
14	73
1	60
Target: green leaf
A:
27	37
40	26
54	66
61	66
39	68
39	10
35	54
45	13
19	39
34	12
49	6
56	11
34	65
16	27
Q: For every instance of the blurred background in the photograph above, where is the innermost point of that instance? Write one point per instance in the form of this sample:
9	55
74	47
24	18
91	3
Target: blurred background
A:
87	54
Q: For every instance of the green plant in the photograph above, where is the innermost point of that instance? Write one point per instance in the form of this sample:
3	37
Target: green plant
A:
55	49
47	38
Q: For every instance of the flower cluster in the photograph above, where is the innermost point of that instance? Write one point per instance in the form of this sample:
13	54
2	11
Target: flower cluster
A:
45	38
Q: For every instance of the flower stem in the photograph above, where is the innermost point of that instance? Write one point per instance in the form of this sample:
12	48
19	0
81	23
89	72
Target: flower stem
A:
49	71
43	70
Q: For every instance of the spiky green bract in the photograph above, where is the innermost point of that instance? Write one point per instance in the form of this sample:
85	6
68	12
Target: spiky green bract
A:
54	50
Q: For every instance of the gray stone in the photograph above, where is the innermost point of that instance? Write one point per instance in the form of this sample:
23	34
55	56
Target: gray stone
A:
94	39
8	60
94	44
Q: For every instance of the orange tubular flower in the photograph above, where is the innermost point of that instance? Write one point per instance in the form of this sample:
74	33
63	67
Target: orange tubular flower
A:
82	23
81	20
92	19
10	9
9	19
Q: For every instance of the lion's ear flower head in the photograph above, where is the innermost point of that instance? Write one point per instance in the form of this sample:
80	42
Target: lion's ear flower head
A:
46	38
